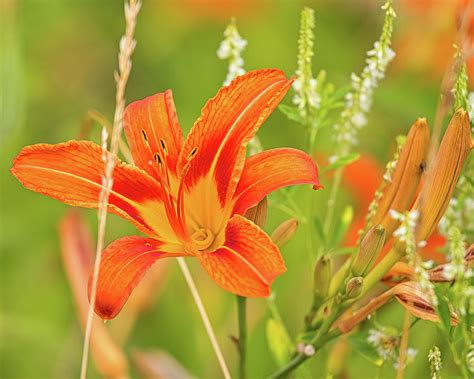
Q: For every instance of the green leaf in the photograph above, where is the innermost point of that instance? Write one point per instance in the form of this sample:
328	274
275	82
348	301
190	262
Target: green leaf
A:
342	161
342	226
318	227
292	113
443	309
279	342
360	344
343	251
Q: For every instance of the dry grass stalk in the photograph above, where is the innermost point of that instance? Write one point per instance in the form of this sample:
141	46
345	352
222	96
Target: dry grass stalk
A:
127	45
77	253
404	344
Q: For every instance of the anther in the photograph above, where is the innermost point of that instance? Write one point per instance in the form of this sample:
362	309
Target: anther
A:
157	158
144	136
163	145
192	153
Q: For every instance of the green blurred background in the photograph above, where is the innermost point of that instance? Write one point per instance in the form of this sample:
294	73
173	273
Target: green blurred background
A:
57	63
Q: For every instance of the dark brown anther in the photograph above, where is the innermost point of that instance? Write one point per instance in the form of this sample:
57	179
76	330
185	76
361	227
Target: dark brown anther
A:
163	145
157	158
144	136
192	153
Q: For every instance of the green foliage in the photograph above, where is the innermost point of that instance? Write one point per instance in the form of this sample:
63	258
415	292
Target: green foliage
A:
278	341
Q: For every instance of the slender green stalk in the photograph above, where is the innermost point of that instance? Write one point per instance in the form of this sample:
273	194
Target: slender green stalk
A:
382	268
242	341
328	220
322	336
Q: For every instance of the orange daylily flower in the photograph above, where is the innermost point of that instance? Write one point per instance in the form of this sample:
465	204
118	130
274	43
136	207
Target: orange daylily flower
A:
187	196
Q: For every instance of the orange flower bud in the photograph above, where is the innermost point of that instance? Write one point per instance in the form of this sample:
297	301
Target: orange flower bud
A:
370	248
399	193
284	232
416	301
443	174
408	294
258	214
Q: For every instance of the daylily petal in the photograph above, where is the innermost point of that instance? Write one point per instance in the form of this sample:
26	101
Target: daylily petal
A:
227	123
123	264
153	118
72	172
248	262
270	170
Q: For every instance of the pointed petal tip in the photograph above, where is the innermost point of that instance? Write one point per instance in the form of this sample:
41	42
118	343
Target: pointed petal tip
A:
318	186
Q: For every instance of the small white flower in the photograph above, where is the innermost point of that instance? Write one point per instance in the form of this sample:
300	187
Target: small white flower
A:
231	48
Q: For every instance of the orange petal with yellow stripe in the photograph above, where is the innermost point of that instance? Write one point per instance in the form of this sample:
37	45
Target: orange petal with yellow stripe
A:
72	172
147	123
248	263
227	123
124	263
270	170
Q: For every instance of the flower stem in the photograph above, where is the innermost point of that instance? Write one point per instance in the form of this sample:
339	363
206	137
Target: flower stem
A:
242	341
331	204
324	334
382	268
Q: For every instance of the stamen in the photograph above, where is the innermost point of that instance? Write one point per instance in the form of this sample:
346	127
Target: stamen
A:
144	136
163	146
192	153
158	158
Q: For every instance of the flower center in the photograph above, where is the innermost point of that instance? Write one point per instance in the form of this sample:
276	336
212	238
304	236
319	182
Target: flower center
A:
202	239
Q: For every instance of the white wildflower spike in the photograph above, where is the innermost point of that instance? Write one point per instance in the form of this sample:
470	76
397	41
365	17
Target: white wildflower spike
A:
231	48
386	341
359	99
459	90
434	357
307	97
470	101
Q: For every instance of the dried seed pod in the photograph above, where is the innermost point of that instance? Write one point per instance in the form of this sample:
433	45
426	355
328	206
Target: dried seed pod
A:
369	250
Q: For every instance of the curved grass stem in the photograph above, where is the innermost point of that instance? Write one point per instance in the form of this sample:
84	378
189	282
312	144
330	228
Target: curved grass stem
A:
205	318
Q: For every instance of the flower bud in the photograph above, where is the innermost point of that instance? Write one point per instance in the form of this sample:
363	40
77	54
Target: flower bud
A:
258	214
354	287
443	174
417	302
369	250
407	175
284	232
322	279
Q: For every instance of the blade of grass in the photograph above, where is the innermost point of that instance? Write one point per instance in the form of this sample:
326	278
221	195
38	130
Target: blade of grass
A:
127	45
205	318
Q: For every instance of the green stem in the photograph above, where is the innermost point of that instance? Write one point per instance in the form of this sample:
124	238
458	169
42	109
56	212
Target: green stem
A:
241	315
322	337
382	268
331	203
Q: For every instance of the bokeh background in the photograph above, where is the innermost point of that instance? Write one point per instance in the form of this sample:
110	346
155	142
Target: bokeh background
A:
57	60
